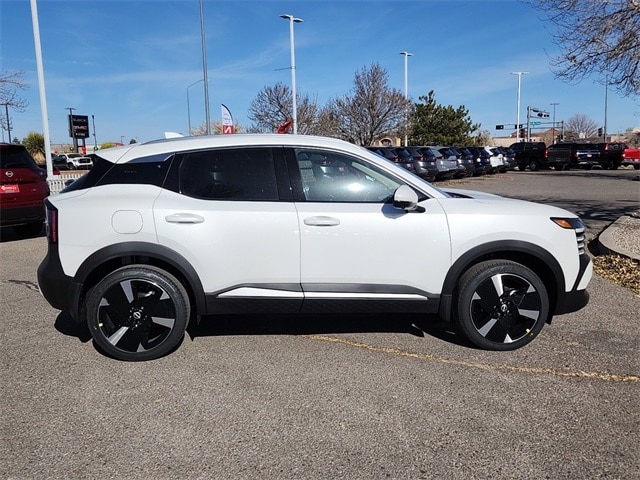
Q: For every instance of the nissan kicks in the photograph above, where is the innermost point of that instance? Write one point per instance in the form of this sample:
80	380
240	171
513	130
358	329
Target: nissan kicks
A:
161	233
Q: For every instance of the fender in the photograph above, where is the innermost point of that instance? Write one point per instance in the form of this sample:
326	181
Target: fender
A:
129	249
495	250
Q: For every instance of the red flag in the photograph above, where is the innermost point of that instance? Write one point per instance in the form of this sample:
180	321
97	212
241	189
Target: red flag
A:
285	127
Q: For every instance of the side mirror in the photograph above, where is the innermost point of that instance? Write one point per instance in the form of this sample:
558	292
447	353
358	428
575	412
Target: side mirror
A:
405	198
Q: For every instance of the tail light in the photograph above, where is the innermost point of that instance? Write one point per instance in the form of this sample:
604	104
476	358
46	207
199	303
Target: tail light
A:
52	223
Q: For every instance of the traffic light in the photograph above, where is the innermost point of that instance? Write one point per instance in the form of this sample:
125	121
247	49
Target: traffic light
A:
523	133
499	127
600	131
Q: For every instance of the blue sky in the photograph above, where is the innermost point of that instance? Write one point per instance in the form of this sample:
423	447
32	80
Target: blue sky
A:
129	63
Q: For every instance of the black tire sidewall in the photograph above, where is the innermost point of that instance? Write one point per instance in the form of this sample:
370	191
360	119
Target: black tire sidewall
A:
166	281
478	274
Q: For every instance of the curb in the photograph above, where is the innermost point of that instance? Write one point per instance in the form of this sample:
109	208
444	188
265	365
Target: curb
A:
608	239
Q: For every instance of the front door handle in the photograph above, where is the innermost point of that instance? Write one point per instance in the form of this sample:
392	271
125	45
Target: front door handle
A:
184	218
322	221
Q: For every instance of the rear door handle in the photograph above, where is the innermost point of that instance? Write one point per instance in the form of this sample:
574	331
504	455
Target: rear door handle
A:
322	221
184	218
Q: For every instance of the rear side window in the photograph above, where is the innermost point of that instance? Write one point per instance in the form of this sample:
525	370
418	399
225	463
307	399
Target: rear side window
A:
16	157
229	174
150	170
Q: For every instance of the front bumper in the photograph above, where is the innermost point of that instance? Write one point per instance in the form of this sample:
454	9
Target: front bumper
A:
578	297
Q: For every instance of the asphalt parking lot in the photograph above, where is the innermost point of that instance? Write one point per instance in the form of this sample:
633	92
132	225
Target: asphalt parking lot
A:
398	397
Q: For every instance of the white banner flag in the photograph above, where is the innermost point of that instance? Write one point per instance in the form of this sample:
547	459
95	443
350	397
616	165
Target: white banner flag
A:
227	120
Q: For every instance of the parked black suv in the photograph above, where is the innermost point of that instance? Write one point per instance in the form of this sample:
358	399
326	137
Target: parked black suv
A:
531	155
563	156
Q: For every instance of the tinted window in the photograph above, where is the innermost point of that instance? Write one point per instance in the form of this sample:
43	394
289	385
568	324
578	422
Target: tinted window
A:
145	170
334	177
229	174
16	157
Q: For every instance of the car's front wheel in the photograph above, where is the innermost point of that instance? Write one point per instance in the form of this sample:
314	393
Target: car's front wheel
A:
501	305
138	312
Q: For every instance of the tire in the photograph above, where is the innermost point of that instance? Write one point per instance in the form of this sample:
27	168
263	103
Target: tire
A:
501	305
534	165
71	166
138	312
28	230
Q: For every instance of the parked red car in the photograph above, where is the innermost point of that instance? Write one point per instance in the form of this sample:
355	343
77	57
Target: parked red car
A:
23	188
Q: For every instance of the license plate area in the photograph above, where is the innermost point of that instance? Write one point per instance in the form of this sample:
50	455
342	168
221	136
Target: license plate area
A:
10	188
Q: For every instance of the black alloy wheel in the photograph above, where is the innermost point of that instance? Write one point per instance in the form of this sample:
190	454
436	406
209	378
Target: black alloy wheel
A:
502	305
138	312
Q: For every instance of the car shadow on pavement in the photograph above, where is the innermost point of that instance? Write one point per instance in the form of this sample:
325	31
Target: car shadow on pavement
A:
246	325
66	325
414	324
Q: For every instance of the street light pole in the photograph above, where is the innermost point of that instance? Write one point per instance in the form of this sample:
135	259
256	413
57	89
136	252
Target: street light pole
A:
95	141
204	71
519	74
294	117
606	102
553	128
189	103
406	92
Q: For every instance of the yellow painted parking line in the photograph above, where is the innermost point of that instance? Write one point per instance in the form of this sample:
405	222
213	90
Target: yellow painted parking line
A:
606	377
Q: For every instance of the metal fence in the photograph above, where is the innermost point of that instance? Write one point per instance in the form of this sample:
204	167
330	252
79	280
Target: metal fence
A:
58	182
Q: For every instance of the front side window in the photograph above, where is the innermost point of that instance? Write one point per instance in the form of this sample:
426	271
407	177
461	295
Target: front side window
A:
229	174
336	177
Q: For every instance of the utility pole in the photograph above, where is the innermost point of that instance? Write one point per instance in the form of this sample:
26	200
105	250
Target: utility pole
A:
71	134
6	111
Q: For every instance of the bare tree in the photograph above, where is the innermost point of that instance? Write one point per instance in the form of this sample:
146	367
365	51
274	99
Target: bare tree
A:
273	106
372	110
580	127
10	82
596	36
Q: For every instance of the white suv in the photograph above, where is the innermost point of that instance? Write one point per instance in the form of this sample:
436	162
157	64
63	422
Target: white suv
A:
161	232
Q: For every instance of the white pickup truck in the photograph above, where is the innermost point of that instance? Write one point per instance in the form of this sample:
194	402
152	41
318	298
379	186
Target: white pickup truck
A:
73	161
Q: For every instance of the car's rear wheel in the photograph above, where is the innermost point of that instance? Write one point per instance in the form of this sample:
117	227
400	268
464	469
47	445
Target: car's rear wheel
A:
534	165
501	305
138	312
